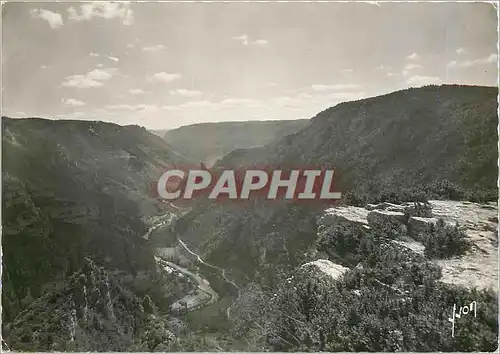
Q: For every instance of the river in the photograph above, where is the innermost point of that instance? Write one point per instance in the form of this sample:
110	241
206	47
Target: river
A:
212	282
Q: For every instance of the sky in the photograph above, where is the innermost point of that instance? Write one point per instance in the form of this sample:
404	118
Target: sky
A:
164	65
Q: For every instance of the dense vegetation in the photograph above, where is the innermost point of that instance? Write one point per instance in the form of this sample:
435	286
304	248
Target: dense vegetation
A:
401	141
391	300
445	241
208	142
73	189
77	275
410	145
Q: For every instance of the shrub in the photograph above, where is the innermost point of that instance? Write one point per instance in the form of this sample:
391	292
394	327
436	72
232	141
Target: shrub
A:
354	198
389	194
482	196
346	243
315	313
423	210
398	195
446	190
445	241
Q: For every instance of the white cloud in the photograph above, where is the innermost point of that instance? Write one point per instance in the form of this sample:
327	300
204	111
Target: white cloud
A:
101	75
418	80
321	88
383	68
164	77
461	51
320	100
93	78
95	55
261	42
272	84
413	56
76	115
491	59
412	66
103	9
191	105
186	93
54	19
81	81
240	101
228	103
72	102
296	100
409	67
347	70
136	91
136	107
115	59
154	48
243	39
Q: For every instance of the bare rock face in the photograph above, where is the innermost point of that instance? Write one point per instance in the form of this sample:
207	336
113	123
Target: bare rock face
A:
349	214
479	267
329	268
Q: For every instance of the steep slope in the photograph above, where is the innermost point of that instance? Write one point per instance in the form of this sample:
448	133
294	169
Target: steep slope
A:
309	286
401	140
92	311
73	189
404	138
160	133
208	142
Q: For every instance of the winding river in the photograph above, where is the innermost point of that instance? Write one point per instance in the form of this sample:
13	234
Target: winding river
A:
206	294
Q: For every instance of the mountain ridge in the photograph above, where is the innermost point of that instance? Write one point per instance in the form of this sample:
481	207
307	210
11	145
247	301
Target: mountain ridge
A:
373	145
207	142
73	189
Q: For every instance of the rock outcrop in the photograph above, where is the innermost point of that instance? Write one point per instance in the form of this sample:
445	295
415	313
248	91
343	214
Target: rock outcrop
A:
381	218
477	268
418	226
332	269
349	214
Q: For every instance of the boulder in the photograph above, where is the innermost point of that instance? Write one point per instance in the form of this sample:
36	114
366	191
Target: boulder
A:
349	214
396	208
418	226
417	209
384	218
329	268
387	206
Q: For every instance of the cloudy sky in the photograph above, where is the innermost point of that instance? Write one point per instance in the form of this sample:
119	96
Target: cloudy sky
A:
163	65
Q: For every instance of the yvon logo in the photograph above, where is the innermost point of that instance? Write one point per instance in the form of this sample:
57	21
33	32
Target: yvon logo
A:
290	184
